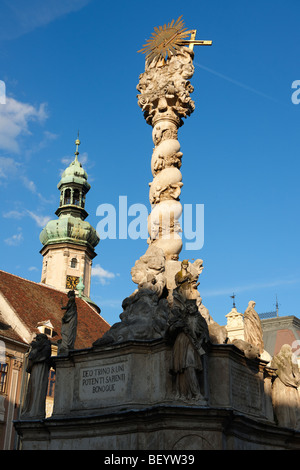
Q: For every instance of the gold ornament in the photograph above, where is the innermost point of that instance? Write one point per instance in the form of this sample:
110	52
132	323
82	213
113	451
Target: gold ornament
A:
168	39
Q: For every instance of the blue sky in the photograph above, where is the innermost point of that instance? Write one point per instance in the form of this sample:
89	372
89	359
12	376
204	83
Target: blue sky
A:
70	65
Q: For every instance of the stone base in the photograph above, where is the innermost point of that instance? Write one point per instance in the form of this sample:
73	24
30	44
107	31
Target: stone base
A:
122	397
157	428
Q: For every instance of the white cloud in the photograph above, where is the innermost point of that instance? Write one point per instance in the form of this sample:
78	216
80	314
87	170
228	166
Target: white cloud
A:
41	220
33	268
37	147
8	167
14	240
102	275
11	169
30	185
15	117
13	215
19	17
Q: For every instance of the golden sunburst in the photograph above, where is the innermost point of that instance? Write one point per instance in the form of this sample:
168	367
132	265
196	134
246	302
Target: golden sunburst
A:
165	41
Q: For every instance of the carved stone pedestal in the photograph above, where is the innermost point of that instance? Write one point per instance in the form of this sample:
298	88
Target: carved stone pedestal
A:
123	397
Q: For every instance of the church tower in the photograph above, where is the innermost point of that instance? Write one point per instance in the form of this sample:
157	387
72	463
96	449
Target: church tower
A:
70	240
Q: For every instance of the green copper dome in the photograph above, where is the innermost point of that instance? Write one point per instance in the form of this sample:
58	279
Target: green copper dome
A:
69	229
71	225
74	174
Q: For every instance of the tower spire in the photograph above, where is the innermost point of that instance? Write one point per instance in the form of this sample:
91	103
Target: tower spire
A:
233	300
70	241
77	143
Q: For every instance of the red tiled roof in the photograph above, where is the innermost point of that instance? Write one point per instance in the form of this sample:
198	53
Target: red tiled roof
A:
35	303
284	337
7	332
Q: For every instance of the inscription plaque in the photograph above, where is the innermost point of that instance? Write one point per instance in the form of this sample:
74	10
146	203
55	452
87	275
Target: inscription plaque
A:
103	381
245	390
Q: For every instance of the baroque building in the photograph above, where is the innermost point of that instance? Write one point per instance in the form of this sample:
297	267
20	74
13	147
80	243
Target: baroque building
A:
70	241
28	308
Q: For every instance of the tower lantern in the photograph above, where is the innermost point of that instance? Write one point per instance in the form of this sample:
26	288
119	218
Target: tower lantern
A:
70	241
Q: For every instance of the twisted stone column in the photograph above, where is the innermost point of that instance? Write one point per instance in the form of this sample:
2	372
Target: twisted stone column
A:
165	100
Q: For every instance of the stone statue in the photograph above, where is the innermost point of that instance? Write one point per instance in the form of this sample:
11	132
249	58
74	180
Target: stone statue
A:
250	351
165	90
149	271
144	317
217	333
285	391
186	282
252	327
189	333
164	97
69	325
38	368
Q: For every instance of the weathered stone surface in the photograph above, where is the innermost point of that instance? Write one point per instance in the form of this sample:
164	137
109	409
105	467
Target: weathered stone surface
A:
164	97
38	367
250	351
285	388
69	325
123	397
144	317
252	327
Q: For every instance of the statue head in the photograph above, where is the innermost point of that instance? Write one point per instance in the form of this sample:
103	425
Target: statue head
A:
185	264
40	338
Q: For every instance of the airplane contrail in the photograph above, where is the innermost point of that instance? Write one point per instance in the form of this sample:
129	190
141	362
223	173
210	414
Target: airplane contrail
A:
235	82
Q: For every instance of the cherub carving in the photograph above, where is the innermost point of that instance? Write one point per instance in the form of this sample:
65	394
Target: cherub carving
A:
165	90
167	161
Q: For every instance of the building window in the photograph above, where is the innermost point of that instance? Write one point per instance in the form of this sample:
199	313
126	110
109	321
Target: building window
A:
73	263
67	196
3	377
51	383
76	197
46	328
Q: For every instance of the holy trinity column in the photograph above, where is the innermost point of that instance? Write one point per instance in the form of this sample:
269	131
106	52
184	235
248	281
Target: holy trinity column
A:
164	97
164	284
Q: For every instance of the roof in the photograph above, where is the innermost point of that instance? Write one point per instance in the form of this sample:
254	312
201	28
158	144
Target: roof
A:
74	173
7	332
279	331
34	303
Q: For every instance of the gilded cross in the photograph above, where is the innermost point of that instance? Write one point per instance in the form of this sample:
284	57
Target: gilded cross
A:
167	40
195	42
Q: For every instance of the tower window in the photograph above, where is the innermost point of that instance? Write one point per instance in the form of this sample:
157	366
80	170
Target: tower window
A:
67	196
73	263
46	327
76	197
